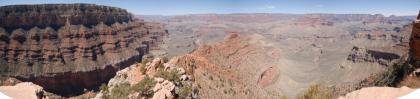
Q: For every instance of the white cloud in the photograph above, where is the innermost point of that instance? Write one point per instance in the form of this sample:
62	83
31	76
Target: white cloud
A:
267	7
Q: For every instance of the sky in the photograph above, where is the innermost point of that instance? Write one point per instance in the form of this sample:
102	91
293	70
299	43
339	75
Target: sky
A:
179	7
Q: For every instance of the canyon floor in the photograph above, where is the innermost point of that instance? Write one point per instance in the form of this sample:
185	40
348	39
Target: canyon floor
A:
280	54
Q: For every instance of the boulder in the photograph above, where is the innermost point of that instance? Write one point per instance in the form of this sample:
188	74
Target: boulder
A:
24	90
377	93
164	90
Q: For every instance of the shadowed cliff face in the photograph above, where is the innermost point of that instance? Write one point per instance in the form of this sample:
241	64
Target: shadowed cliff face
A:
72	57
415	42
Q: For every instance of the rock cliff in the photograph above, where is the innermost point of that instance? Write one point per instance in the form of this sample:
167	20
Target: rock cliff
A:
56	15
415	40
70	47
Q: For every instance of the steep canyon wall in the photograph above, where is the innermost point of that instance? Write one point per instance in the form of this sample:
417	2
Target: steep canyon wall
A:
70	47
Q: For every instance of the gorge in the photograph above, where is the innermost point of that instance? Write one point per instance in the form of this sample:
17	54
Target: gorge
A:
104	52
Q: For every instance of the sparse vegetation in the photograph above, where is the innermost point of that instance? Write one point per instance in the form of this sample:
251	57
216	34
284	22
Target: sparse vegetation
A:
122	91
143	66
172	75
161	67
394	74
119	92
144	61
184	92
316	92
144	87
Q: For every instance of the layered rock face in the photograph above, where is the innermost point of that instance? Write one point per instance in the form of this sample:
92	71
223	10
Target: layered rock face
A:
72	57
56	15
415	40
331	19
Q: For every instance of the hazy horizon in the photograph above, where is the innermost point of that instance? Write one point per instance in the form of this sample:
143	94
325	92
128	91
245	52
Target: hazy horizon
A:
185	7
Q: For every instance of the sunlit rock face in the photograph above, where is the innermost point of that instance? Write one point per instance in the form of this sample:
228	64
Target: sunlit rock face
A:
56	15
69	47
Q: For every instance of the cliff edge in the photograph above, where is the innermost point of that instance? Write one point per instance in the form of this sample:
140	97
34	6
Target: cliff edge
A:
66	48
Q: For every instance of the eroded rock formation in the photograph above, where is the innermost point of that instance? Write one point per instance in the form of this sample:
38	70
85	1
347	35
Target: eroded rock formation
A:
415	40
364	55
239	67
90	45
56	15
149	81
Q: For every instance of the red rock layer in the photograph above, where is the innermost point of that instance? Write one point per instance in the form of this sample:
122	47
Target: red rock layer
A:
73	57
75	47
415	40
56	15
240	64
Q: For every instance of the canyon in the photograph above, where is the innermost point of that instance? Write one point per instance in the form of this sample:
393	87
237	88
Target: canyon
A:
74	49
284	54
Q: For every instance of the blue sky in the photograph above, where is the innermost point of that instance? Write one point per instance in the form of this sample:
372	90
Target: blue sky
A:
177	7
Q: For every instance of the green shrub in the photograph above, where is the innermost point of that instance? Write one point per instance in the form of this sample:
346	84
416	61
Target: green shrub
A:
119	92
316	92
172	75
122	91
161	67
144	87
393	75
143	66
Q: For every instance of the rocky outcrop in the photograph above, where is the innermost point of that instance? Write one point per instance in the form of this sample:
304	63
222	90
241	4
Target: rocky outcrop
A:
378	93
415	41
163	89
364	55
166	81
90	45
24	90
268	76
